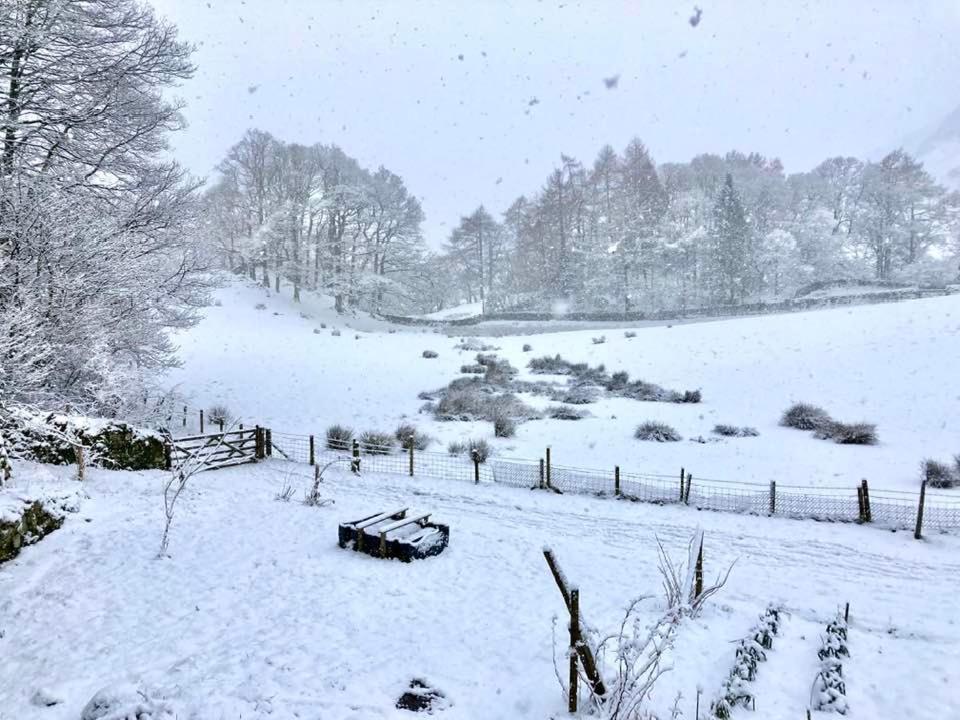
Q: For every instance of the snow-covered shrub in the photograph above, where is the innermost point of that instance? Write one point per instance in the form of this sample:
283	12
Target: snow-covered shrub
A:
335	333
618	381
456	447
219	414
599	340
339	437
260	306
469	398
316	331
803	416
940	475
690	396
323	325
578	395
527	347
373	442
829	690
848	433
479	449
504	427
474	345
473	369
565	412
498	372
628	334
408	436
547	365
6	470
657	432
735	431
430	354
750	653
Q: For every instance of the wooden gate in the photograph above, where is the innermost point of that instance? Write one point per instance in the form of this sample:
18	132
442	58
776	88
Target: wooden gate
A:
219	450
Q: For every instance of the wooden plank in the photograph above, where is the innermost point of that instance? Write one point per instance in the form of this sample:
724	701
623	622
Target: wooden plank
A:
377	518
214	435
403	521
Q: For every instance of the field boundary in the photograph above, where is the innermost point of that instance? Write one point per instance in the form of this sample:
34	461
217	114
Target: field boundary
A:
888	509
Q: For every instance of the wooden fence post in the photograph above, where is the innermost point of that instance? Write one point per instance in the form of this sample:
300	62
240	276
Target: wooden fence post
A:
168	454
355	461
918	533
221	424
686	499
549	483
846	613
268	441
313	456
475	456
574	644
773	497
258	442
616	480
184	415
867	515
860	503
201	422
411	457
681	484
542	481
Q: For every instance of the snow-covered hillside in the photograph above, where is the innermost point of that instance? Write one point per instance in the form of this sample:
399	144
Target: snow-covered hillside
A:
939	149
889	364
258	614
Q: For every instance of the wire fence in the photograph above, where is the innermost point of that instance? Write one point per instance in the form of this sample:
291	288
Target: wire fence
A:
891	509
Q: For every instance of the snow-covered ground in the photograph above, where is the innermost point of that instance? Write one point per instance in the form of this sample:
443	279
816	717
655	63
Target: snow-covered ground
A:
257	613
890	364
458	312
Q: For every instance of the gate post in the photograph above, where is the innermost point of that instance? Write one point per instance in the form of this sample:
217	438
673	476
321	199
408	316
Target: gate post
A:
268	442
312	452
355	462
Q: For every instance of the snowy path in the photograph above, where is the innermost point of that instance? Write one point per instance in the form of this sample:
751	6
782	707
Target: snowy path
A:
258	613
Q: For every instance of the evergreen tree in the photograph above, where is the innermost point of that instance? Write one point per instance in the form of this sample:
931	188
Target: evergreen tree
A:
729	236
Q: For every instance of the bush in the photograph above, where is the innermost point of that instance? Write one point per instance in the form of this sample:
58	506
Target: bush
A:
527	347
473	369
335	333
804	416
690	396
456	447
940	475
504	427
848	433
565	412
498	372
373	442
580	395
219	414
547	365
481	448
474	345
629	334
657	432
599	340
339	437
618	381
260	306
430	354
735	431
323	325
408	436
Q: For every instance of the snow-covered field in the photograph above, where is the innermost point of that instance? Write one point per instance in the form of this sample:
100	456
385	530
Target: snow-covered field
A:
258	614
890	364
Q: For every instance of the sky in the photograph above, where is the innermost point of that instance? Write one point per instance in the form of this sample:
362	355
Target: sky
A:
472	102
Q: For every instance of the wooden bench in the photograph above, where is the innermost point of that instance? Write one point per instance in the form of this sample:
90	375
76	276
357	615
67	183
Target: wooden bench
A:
424	539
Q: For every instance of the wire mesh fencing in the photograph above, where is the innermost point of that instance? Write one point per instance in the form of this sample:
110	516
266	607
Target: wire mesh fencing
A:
892	509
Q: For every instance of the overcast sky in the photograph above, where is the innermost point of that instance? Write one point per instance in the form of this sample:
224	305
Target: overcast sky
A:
473	102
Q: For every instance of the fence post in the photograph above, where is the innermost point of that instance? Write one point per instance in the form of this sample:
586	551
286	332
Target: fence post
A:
355	462
313	456
475	456
616	481
860	502
867	515
574	641
923	492
258	442
773	497
686	499
184	415
549	484
201	422
221	424
268	441
542	485
681	484
411	457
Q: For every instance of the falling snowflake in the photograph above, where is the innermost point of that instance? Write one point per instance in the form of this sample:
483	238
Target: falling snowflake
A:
611	82
695	18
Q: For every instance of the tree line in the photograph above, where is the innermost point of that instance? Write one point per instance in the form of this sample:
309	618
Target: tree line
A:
97	254
626	235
